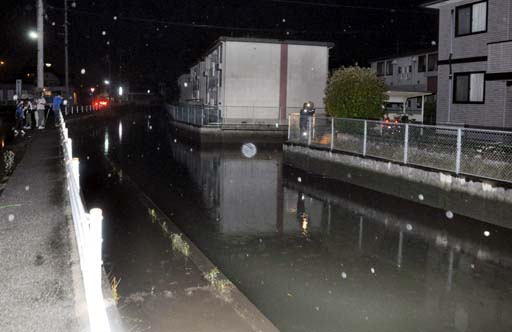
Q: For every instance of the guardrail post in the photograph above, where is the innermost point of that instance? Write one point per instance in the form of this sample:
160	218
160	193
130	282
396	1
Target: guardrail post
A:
406	144
459	150
365	136
332	133
69	147
75	166
310	124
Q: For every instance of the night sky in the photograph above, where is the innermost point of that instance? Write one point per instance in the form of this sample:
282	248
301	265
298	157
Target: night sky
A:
155	41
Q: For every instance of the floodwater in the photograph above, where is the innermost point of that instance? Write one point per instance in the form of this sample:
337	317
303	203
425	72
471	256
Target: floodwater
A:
311	254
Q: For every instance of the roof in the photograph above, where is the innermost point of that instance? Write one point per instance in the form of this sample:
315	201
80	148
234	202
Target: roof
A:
439	3
401	96
406	54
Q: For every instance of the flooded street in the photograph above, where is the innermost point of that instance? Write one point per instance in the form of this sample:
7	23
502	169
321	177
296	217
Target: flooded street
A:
311	254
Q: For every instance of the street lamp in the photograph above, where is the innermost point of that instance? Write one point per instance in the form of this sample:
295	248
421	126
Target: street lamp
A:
107	82
33	35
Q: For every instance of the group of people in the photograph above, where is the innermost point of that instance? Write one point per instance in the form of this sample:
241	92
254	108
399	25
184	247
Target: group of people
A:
35	109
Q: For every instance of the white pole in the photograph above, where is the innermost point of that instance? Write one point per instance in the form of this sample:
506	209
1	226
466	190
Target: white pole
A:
406	143
459	150
422	109
75	166
332	133
365	136
40	45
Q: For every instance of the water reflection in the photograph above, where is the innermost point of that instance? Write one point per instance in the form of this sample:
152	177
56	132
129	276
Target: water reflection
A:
316	259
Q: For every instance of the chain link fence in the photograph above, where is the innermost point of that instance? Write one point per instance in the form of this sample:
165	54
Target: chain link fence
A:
475	152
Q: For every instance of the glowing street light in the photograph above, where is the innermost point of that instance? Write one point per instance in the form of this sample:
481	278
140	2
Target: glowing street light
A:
82	71
48	65
149	91
107	82
2	62
92	90
33	35
121	91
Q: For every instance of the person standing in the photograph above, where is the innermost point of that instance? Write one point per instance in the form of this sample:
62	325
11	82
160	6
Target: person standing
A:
39	114
31	107
20	117
56	105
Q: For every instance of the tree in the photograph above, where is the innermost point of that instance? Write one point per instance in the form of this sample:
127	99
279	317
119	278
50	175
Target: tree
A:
355	92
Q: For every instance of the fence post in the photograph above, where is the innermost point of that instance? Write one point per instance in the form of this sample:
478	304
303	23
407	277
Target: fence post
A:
69	147
459	150
202	117
332	133
75	166
365	136
406	144
310	122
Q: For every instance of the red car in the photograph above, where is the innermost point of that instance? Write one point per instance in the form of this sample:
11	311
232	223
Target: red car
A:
100	103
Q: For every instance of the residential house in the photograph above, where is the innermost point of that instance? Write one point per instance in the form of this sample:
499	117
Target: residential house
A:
475	62
411	79
250	78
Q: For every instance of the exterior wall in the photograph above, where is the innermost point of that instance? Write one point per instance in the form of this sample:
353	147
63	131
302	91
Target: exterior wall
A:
409	81
252	77
495	110
307	76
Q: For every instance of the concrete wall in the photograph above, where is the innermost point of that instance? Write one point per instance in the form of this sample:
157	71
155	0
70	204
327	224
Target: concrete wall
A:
252	76
307	76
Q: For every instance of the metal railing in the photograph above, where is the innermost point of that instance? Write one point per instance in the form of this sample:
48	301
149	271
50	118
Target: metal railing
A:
475	152
79	109
213	116
88	232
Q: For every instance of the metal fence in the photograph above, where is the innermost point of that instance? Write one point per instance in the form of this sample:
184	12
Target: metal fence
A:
200	115
88	233
475	152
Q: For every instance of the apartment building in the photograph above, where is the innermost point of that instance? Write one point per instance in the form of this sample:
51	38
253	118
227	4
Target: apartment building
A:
411	79
250	78
475	62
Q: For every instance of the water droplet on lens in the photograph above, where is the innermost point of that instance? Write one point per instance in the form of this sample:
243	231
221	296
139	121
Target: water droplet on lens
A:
11	217
343	275
449	214
487	233
409	227
299	179
421	197
27	188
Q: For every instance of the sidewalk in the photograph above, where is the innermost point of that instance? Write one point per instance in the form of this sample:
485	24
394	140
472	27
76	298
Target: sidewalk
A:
40	283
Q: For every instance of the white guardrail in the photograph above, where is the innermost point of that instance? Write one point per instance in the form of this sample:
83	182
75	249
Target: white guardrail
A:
88	232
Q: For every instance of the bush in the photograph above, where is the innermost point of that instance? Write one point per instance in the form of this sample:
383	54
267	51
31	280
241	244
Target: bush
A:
355	92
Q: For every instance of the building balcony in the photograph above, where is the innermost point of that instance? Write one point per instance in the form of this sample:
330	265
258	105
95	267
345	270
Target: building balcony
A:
499	58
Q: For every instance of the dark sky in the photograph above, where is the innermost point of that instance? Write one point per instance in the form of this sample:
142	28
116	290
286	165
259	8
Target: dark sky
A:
156	40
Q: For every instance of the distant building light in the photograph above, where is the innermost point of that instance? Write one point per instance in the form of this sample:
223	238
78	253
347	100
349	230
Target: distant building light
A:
107	82
82	71
185	84
48	65
149	91
120	91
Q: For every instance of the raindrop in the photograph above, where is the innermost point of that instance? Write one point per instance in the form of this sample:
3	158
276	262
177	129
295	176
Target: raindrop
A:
284	20
134	122
103	33
109	175
343	275
87	158
158	148
27	188
53	24
317	308
150	127
473	266
191	150
421	197
249	150
299	179
11	217
115	18
487	233
149	116
409	227
372	270
277	125
175	140
108	42
449	214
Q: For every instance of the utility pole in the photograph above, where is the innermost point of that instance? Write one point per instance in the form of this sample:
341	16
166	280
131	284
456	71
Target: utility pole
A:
66	51
40	45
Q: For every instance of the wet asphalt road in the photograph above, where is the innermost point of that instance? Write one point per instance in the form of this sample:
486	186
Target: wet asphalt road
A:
313	255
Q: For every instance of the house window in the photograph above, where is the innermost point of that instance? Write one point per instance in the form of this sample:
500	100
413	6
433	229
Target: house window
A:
432	62
422	63
471	19
389	68
469	88
399	69
380	68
